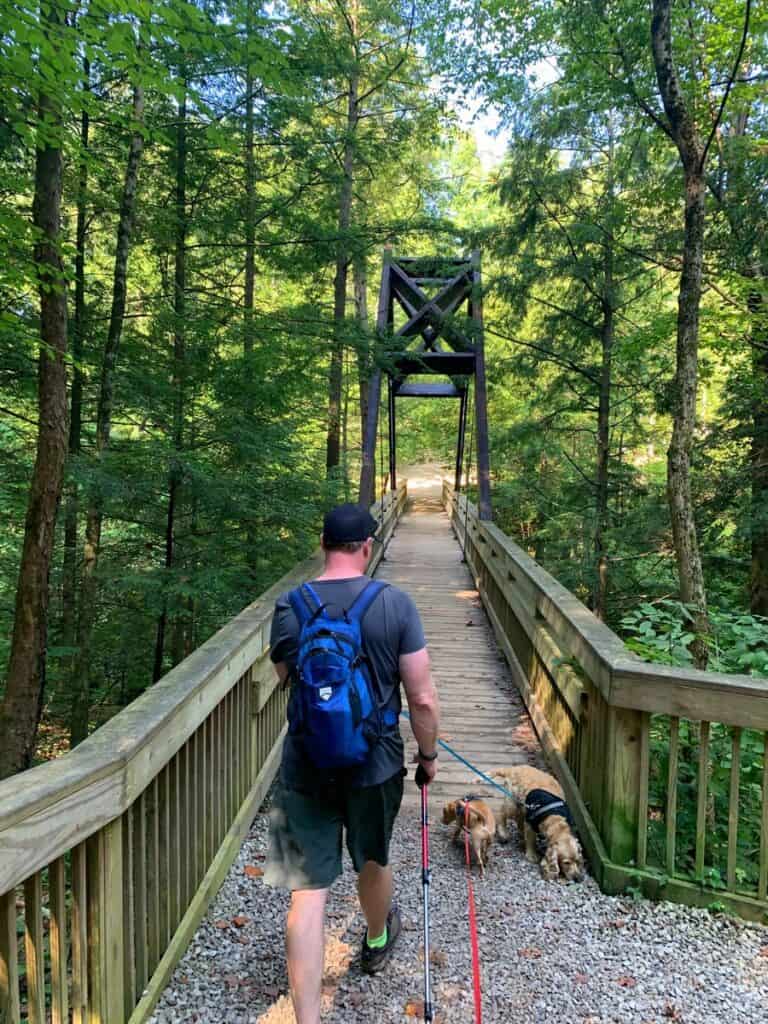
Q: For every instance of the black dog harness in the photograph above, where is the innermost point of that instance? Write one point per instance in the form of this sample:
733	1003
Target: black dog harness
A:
539	804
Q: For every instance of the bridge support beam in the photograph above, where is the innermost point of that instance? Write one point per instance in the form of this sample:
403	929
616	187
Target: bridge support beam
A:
436	320
392	435
367	494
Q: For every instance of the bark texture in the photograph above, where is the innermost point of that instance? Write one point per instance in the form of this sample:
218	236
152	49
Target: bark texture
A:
360	272
683	131
602	476
70	568
333	445
25	683
179	378
81	682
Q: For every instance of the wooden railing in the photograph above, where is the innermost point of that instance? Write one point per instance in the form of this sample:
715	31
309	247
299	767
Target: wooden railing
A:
110	855
666	769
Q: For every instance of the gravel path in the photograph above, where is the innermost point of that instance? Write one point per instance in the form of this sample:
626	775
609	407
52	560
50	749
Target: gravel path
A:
550	953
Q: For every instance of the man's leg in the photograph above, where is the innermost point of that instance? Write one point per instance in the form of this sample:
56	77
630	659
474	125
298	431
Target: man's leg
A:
305	950
374	889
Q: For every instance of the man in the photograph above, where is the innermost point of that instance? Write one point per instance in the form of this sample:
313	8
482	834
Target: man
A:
312	807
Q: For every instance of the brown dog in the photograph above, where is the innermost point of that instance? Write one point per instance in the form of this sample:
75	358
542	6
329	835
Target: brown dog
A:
476	816
533	792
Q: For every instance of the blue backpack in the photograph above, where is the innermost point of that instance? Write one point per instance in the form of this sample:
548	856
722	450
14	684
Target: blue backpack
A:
333	704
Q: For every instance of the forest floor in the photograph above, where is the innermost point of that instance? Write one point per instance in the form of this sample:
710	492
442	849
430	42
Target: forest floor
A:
550	953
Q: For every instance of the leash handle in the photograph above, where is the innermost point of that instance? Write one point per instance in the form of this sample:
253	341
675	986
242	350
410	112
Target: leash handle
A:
472	923
425	889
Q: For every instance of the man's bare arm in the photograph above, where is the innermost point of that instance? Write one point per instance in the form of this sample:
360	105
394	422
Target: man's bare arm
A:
282	670
423	705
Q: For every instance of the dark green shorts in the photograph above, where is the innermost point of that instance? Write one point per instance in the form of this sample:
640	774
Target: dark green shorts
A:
306	831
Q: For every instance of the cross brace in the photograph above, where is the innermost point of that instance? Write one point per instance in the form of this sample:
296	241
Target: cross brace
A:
433	320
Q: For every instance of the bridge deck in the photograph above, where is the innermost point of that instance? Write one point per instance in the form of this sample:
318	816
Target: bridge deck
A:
549	953
482	715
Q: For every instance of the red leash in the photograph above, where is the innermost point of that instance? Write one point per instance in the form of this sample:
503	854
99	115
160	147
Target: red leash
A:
472	923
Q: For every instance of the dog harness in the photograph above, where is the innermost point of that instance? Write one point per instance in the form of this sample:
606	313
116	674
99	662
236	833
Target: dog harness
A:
539	804
461	807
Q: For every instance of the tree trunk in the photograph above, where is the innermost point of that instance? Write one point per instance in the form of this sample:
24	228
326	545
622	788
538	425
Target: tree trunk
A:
250	212
251	541
340	280
179	376
360	271
685	135
759	456
69	627
25	682
603	440
81	682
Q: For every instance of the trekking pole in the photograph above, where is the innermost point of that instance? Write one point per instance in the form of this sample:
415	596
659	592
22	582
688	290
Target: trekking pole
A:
425	886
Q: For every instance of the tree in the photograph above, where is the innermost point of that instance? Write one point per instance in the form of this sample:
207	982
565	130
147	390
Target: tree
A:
25	682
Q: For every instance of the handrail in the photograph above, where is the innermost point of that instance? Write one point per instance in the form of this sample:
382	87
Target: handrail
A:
611	725
200	744
624	679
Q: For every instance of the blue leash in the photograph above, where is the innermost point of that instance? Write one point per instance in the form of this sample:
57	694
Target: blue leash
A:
458	757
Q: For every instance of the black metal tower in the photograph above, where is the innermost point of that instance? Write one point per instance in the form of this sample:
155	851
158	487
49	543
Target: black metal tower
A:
431	341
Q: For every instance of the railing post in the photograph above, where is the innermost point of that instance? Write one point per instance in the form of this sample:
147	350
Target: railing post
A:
10	1008
622	785
106	925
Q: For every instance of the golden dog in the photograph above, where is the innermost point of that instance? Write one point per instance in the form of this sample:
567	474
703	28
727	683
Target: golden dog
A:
478	819
531	792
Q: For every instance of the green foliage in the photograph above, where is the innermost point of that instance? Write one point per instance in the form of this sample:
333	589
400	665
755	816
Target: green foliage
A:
662	632
718	780
583	215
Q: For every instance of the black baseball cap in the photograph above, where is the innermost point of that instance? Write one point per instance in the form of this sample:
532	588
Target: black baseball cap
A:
347	523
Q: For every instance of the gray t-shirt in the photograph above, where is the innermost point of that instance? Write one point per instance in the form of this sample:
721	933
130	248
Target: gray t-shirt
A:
390	627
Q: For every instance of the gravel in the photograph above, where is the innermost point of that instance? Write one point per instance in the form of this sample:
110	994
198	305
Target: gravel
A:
550	953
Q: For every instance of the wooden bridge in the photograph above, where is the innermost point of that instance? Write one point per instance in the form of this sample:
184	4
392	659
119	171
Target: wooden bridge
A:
110	855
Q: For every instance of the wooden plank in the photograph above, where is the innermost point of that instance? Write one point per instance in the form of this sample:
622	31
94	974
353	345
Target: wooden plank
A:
152	811
79	934
622	776
670	815
163	857
57	882
616	879
210	777
106	934
701	799
733	808
140	852
129	903
762	884
701	696
214	876
199	840
10	1003
34	952
642	802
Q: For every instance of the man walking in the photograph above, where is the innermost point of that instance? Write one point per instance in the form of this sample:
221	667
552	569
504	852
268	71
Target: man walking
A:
314	805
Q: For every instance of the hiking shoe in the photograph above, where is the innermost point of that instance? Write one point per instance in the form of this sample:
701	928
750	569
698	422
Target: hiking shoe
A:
373	960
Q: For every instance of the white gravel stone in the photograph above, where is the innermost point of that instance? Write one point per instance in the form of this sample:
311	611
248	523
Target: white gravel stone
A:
550	953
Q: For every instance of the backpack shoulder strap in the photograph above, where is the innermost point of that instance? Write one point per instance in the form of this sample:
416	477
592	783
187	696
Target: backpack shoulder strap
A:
365	599
301	600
